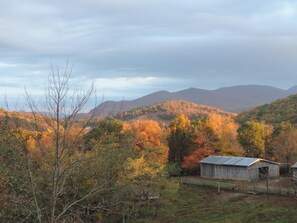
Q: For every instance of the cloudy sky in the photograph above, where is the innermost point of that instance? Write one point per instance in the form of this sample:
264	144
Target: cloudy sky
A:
134	47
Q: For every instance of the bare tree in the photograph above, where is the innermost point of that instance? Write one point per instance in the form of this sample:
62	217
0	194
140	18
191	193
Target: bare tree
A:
285	146
59	111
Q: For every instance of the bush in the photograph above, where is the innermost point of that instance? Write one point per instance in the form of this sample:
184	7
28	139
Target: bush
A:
174	169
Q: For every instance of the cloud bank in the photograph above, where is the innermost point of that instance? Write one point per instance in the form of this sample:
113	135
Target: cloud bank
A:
148	45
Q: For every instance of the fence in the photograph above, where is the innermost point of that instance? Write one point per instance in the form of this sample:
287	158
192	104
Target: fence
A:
253	189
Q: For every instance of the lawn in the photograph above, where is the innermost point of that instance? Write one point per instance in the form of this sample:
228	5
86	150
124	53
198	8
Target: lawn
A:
199	204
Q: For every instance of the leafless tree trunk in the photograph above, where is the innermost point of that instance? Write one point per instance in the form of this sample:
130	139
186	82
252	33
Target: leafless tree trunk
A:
61	106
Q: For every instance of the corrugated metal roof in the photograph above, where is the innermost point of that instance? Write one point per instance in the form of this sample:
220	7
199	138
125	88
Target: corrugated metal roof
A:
215	159
232	161
246	161
294	166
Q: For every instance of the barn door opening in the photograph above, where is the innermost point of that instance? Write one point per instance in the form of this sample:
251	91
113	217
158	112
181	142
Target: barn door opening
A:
263	172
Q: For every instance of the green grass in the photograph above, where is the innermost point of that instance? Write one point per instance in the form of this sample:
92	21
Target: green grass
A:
198	204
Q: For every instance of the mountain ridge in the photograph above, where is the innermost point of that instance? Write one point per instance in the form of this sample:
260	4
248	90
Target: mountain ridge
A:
232	99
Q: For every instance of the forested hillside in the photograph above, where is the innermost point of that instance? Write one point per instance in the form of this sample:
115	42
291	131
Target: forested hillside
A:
26	120
284	110
168	110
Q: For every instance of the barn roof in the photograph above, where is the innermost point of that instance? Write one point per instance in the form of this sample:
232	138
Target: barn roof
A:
232	161
294	166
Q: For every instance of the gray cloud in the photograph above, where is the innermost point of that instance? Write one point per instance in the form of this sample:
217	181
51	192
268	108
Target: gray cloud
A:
204	44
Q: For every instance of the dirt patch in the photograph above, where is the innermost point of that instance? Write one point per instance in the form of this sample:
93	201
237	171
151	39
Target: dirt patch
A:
286	201
230	196
224	196
281	182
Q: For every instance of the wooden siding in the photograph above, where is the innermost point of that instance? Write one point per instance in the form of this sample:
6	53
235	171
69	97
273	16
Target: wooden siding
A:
223	172
237	172
273	169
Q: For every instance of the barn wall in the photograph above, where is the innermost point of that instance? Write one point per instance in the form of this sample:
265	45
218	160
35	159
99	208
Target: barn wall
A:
273	169
233	172
207	170
253	173
223	172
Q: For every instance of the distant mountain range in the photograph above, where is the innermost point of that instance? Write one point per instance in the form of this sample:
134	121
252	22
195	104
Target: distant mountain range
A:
168	110
233	99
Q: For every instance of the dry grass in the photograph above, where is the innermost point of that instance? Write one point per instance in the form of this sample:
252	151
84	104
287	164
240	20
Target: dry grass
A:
199	204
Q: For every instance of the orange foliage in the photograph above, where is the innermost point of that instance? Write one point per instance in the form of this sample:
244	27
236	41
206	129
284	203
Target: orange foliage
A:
215	122
225	129
147	134
46	139
148	137
126	126
192	160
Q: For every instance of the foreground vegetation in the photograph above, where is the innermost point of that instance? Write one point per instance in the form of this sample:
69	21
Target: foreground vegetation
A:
55	170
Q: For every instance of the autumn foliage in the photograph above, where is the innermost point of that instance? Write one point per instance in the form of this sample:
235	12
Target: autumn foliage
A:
191	141
117	165
192	161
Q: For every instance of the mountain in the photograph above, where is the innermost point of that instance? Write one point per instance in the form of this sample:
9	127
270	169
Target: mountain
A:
283	110
292	90
112	107
168	110
233	99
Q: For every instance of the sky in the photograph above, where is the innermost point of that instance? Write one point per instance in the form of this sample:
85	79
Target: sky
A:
130	48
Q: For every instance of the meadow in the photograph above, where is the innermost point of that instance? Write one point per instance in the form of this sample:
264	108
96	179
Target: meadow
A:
203	205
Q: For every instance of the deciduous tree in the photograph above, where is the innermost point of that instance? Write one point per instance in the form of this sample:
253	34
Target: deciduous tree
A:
253	137
285	146
179	139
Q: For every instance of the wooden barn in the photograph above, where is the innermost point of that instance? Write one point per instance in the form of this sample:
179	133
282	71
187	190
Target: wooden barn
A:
237	168
294	173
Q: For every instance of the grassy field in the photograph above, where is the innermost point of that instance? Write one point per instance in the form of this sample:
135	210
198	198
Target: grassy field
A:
198	204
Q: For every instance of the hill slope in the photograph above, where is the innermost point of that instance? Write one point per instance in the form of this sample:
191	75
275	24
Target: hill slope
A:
284	110
168	110
25	120
233	99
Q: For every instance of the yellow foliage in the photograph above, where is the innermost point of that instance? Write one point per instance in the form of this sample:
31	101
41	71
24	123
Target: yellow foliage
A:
139	167
181	122
225	129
